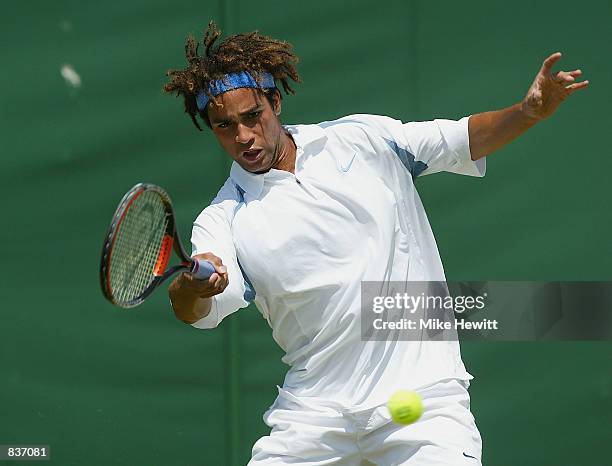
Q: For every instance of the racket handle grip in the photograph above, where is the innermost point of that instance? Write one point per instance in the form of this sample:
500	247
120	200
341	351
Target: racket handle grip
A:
201	269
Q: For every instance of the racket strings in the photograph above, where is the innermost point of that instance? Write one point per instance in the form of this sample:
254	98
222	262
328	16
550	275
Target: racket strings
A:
137	245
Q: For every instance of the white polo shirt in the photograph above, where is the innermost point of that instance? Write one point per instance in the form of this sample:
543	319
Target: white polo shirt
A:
300	245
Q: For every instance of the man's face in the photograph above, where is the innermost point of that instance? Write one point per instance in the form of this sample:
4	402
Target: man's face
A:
247	127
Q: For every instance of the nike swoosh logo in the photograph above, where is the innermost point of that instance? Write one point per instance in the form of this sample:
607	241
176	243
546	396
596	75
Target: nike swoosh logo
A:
347	167
469	456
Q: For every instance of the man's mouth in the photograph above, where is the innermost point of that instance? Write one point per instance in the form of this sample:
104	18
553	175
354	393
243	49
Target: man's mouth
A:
251	155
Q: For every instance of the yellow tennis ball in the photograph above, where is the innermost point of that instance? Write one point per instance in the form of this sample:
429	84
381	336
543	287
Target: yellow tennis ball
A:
405	407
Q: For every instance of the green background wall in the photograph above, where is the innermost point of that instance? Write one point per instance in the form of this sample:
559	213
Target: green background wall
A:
104	386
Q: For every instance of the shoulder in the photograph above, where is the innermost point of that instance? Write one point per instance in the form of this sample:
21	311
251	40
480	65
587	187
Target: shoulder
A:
229	193
360	122
365	131
363	127
222	206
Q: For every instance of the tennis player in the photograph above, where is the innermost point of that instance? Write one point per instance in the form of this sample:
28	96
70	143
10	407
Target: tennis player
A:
307	213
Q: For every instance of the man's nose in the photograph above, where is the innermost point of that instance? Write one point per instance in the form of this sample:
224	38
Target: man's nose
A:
243	134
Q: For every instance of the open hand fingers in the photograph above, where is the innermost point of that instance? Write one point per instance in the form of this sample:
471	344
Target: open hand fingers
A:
576	86
564	78
567	79
575	73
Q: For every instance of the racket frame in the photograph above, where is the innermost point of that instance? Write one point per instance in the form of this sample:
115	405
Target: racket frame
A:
170	236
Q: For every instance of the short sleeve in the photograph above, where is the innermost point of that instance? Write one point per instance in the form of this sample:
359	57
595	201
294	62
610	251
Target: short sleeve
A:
426	147
441	145
212	233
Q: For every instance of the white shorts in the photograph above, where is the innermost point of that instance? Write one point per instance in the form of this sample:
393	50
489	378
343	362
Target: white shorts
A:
446	434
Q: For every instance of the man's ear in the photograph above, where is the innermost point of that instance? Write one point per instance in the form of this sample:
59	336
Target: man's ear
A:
277	102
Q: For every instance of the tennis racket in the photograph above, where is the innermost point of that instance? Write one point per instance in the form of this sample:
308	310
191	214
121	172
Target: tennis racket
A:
138	247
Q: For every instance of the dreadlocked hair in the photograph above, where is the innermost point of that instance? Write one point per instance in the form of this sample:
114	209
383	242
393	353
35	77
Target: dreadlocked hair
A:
250	52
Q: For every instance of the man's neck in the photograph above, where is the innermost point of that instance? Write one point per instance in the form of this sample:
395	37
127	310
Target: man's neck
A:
287	153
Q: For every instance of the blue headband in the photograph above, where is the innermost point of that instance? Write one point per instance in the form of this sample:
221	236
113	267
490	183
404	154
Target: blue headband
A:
233	81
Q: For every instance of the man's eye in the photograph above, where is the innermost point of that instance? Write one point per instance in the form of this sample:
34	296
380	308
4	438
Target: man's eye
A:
223	125
254	114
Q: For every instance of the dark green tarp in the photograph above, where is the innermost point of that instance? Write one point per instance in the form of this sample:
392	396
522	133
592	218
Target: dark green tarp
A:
104	386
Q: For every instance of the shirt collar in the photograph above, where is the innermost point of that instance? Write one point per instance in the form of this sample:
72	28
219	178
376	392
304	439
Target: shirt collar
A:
309	139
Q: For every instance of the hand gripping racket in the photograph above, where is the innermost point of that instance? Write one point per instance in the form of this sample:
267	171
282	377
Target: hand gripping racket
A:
138	247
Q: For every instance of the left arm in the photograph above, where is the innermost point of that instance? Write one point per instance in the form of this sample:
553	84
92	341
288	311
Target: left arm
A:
490	131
